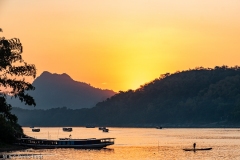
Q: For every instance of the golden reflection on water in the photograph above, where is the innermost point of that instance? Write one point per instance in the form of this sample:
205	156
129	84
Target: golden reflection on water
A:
145	144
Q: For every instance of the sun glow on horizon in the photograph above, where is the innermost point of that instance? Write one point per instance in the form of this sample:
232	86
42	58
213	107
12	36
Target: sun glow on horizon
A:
123	44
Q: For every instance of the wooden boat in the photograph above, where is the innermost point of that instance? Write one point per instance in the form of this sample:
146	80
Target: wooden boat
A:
65	129
105	130
91	143
196	149
102	128
36	130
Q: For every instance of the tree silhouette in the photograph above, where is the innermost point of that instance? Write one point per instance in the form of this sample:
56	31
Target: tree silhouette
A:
13	71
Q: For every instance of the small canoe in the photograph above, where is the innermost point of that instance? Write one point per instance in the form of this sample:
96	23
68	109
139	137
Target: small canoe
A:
197	149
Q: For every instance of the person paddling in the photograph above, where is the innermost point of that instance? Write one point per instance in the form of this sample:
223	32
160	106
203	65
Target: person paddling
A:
194	146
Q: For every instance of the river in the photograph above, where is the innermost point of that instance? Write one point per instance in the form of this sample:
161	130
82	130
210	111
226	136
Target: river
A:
143	144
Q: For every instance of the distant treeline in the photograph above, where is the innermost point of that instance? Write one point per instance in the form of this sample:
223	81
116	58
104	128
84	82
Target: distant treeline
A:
200	97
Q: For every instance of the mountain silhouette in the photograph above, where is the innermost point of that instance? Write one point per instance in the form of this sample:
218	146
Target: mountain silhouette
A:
200	97
60	90
192	97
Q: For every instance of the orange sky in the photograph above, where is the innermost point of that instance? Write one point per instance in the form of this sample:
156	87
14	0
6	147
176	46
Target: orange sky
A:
122	44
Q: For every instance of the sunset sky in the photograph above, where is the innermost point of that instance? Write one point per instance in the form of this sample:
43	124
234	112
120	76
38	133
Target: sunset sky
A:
122	44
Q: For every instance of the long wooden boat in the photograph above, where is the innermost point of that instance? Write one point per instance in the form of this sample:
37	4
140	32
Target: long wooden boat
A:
196	149
91	143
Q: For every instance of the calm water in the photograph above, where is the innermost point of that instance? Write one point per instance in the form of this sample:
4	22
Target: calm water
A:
145	144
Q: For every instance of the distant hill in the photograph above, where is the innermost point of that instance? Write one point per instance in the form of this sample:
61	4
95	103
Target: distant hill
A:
60	90
200	97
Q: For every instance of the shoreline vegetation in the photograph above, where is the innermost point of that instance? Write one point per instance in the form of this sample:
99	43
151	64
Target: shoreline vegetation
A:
164	126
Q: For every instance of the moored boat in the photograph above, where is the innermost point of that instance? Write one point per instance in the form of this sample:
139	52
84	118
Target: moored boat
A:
67	129
105	130
102	128
91	143
36	130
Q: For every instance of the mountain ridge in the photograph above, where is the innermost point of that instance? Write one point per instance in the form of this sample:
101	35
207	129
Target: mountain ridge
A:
54	90
200	97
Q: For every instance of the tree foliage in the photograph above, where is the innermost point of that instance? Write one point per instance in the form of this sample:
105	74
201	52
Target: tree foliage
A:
13	71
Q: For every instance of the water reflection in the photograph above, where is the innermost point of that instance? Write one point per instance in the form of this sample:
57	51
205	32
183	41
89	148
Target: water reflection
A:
146	144
97	149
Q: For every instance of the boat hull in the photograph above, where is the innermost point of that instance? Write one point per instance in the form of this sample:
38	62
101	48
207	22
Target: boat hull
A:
92	143
35	130
197	149
92	146
67	129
